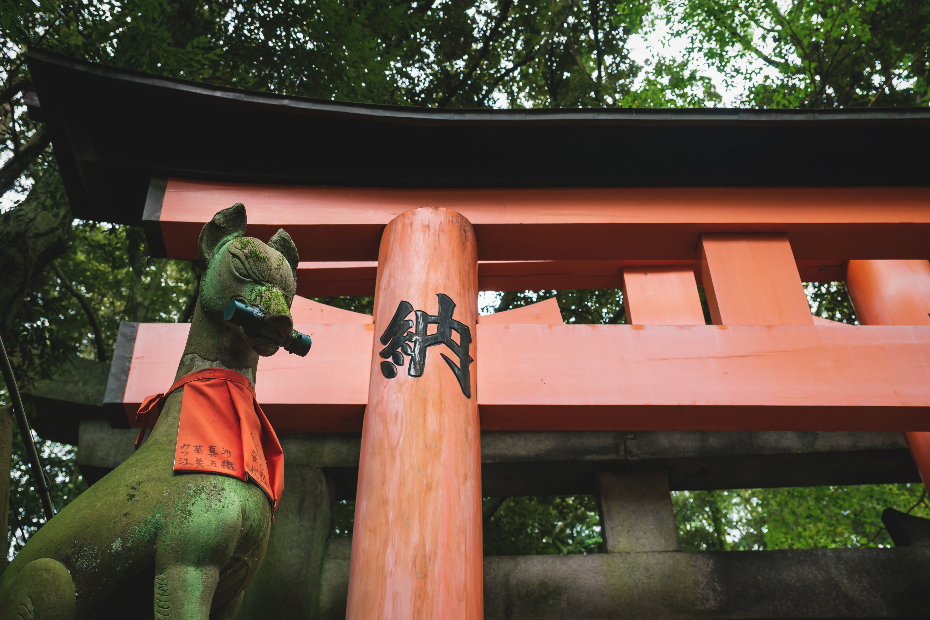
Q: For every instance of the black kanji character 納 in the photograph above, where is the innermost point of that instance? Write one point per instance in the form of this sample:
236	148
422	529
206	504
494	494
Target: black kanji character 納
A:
228	465
397	338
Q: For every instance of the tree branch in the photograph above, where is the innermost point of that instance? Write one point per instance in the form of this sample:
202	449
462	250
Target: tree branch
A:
22	159
773	62
14	86
32	234
482	54
91	317
529	56
887	83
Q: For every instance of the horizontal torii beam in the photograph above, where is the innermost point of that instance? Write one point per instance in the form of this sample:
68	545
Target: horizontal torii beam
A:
648	224
334	279
600	377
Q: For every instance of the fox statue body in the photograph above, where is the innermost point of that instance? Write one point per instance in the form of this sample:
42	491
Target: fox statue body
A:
146	541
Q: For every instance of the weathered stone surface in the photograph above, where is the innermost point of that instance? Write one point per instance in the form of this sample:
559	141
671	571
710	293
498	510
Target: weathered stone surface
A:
816	583
536	446
288	583
636	512
102	449
738	459
74	393
564	463
835	583
323	449
567	463
334	586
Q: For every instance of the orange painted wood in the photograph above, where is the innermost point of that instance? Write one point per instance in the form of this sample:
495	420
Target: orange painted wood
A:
890	292
654	224
325	391
417	538
608	377
886	292
661	296
752	280
337	381
614	377
542	313
305	310
827	322
330	279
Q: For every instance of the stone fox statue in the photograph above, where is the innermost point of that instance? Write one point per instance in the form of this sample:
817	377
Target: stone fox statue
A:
146	541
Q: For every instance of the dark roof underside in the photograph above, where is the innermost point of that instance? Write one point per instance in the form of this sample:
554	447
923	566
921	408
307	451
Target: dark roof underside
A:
113	131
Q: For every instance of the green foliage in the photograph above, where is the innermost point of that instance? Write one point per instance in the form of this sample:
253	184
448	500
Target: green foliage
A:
594	306
362	305
26	514
830	300
813	53
111	269
543	526
792	518
343	519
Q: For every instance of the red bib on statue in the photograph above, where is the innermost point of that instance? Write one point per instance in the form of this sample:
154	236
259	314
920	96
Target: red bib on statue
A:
223	430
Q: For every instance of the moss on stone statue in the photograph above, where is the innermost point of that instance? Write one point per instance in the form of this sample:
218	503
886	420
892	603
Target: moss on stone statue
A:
269	298
101	552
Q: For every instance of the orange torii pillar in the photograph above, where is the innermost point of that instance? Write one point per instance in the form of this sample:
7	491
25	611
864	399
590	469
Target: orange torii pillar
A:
417	542
894	292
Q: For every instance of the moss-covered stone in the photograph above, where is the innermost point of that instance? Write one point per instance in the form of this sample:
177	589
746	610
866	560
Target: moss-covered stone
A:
195	540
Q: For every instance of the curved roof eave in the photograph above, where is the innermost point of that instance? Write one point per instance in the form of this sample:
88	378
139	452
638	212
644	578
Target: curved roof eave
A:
115	130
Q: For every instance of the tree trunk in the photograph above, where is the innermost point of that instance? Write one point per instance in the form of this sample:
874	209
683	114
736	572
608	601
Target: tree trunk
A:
31	236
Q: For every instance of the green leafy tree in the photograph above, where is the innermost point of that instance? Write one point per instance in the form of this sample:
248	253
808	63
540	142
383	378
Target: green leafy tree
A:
541	525
792	518
812	53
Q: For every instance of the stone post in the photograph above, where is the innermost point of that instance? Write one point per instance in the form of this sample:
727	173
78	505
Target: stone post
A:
636	512
287	586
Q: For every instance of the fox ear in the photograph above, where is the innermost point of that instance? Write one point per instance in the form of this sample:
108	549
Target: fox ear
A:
225	225
282	242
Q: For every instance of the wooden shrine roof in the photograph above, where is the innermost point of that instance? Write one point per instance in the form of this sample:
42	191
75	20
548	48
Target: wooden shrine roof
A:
114	131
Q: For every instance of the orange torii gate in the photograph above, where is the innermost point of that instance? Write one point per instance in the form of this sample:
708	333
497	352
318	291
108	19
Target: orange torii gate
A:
425	238
765	364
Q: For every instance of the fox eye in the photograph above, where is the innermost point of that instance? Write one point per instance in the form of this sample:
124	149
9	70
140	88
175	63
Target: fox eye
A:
240	269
